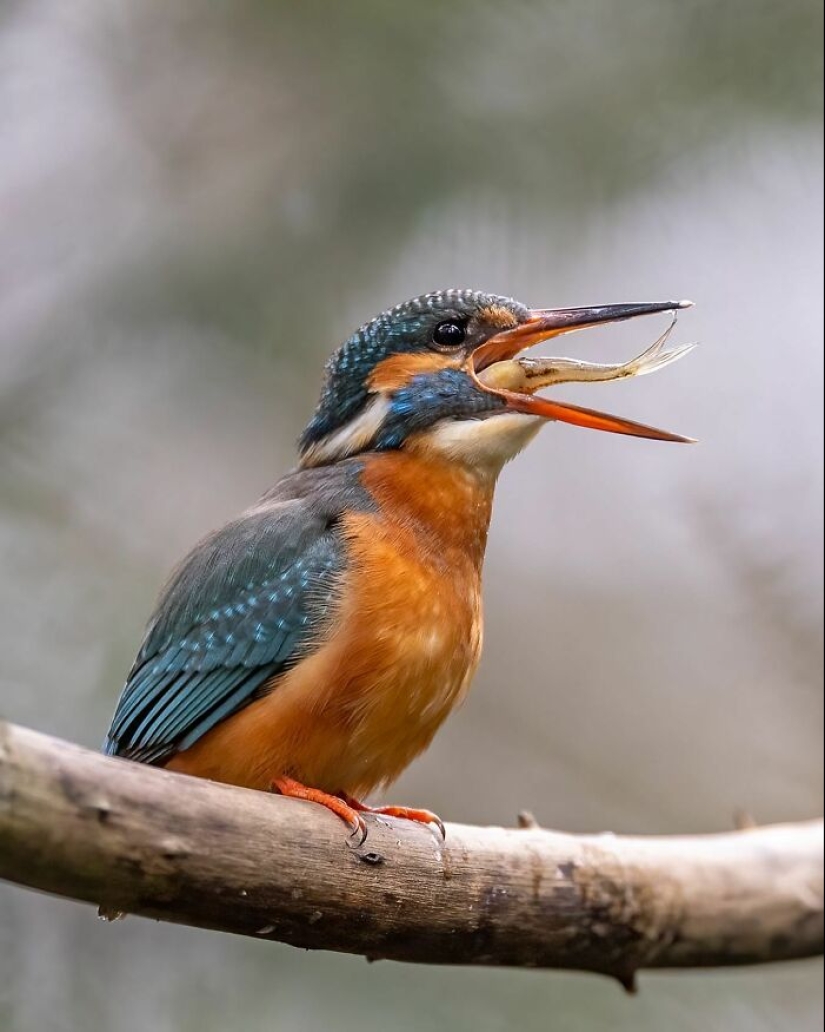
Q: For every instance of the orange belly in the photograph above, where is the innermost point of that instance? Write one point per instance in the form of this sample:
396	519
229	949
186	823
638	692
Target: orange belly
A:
404	644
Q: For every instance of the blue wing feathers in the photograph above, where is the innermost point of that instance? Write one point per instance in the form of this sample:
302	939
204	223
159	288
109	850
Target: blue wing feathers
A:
241	609
249	682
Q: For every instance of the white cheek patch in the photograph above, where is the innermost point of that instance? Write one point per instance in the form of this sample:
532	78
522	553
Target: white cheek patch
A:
352	438
484	444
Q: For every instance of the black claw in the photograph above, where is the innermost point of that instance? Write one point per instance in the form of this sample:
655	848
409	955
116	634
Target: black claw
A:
358	835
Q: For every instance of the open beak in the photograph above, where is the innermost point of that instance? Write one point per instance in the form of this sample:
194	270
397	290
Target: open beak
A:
495	367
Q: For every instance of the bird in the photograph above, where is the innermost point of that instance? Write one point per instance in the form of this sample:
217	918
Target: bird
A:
314	645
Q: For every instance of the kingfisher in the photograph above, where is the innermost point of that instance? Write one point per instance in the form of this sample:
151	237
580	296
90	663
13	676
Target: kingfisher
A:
315	644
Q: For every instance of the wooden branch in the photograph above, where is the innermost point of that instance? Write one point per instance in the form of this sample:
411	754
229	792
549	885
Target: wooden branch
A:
145	841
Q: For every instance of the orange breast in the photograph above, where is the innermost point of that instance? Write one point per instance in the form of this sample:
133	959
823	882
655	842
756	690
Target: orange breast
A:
404	646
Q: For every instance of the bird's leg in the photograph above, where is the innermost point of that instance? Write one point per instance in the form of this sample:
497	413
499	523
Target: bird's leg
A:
341	806
405	813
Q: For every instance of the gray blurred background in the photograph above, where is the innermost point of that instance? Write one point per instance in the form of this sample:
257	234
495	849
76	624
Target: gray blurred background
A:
199	201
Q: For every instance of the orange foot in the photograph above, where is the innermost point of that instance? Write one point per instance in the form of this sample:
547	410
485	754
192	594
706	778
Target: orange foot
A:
404	812
340	807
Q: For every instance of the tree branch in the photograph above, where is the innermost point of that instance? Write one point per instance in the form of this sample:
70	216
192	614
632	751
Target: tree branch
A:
145	841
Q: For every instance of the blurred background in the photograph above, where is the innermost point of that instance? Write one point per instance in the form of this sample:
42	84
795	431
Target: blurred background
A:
199	202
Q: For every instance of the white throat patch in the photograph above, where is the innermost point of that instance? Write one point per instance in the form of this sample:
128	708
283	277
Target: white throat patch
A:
353	437
481	444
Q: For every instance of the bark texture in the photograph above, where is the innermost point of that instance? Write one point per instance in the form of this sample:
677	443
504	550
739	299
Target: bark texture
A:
144	841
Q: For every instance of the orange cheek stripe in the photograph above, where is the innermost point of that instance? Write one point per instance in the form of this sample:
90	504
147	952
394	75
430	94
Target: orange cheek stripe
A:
397	370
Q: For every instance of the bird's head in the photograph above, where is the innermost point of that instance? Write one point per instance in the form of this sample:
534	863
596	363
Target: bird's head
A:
444	371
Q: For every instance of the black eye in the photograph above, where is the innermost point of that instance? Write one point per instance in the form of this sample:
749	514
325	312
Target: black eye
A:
449	334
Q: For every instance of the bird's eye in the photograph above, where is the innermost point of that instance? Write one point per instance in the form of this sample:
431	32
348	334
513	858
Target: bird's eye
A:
449	334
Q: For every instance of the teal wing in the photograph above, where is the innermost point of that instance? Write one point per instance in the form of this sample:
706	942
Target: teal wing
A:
245	605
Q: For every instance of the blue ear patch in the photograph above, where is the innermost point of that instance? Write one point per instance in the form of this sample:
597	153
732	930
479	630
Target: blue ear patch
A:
430	397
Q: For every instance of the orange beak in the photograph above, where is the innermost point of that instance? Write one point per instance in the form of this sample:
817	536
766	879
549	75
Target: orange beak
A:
541	325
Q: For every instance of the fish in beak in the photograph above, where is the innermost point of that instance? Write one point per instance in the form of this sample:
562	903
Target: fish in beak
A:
496	365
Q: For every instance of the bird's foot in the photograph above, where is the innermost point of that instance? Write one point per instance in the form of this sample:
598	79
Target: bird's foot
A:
404	813
341	807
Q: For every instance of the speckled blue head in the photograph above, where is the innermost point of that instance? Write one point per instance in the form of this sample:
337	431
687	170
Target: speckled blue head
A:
437	331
